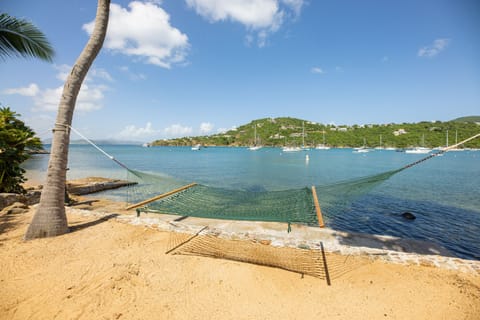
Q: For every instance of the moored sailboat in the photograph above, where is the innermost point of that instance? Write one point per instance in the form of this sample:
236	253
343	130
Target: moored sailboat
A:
322	146
255	145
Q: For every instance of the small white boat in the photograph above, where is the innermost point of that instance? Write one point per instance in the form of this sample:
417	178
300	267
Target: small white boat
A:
196	147
291	149
253	148
362	150
418	150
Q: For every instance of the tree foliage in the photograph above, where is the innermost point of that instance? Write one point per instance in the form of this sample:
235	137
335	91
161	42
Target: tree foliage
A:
289	131
16	140
21	38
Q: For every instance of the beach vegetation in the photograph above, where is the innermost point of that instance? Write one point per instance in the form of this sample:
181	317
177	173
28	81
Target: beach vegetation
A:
17	140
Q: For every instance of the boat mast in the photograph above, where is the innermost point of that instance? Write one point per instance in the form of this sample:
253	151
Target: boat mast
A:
303	134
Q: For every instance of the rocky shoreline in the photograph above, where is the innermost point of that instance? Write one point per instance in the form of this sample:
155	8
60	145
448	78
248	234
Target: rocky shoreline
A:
76	187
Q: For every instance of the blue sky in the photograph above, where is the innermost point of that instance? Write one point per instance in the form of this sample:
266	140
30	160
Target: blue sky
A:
190	67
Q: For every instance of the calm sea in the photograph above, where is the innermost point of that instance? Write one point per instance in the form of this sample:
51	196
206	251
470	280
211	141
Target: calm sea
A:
443	192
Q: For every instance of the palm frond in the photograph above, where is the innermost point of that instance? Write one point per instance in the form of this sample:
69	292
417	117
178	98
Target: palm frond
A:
20	38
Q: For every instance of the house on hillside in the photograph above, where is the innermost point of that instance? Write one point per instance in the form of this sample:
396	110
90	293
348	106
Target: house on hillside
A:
399	132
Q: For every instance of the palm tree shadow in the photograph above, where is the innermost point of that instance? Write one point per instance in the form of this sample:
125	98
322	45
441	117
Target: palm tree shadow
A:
8	222
89	224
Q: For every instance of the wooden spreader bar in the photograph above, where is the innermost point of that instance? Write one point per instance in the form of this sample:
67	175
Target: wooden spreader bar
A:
317	208
160	196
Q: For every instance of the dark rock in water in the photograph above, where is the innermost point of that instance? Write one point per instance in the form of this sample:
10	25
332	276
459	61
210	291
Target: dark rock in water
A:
409	216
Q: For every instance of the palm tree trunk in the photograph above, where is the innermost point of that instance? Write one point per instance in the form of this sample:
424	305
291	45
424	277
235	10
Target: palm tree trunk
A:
50	218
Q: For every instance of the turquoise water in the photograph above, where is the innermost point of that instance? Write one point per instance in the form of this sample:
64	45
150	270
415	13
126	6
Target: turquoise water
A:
442	192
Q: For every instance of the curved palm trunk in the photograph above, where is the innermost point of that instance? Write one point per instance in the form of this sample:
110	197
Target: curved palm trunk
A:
50	219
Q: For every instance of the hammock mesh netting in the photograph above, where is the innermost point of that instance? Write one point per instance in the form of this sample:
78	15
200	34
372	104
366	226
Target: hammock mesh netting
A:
289	206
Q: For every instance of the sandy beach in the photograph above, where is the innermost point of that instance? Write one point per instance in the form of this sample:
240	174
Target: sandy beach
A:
111	268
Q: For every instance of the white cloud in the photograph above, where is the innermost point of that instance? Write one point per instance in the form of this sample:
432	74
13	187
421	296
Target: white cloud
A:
295	5
177	130
64	70
132	75
100	74
255	14
206	127
132	132
30	91
143	30
89	98
42	124
224	130
262	17
435	48
316	70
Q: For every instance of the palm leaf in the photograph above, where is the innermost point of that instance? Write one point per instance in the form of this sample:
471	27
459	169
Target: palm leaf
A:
21	38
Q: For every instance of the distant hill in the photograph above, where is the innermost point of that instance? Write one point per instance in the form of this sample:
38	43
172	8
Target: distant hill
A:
99	142
468	119
287	131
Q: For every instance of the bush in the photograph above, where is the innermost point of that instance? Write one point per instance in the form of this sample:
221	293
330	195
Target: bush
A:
16	140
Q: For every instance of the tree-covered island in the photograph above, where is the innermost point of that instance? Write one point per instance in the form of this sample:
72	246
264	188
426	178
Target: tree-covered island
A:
285	131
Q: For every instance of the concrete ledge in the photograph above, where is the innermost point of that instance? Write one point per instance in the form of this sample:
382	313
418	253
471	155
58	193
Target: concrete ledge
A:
95	184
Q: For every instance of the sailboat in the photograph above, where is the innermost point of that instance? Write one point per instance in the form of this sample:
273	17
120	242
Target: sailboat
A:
296	149
322	146
445	147
362	149
380	146
419	150
456	138
304	148
291	148
255	146
197	147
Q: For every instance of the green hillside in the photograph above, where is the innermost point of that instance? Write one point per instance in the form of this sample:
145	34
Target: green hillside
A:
289	131
468	119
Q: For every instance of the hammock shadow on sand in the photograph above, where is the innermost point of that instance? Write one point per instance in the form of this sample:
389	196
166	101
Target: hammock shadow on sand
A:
317	263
